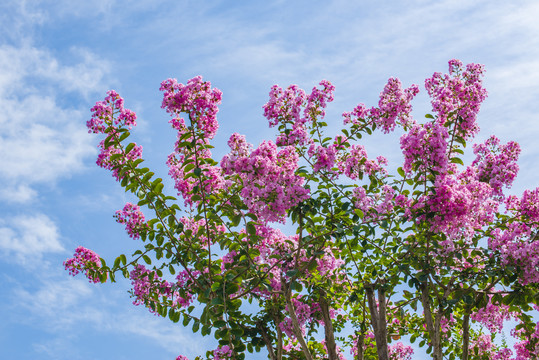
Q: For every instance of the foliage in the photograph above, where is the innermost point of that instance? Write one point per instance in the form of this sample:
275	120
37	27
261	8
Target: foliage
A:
436	251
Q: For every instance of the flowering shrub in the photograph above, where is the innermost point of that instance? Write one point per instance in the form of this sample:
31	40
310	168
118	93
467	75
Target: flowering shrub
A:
369	243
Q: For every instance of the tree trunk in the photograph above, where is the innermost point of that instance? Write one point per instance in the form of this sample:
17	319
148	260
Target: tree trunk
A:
378	320
433	325
295	324
328	328
465	334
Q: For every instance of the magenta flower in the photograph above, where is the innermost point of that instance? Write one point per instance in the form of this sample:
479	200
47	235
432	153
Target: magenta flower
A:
84	260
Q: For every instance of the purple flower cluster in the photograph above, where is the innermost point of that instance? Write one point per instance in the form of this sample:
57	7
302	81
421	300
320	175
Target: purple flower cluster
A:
197	99
285	108
399	351
394	107
222	353
270	185
425	148
133	219
355	162
457	96
110	112
84	260
496	164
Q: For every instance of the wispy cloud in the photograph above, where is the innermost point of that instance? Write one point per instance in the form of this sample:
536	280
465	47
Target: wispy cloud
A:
28	237
41	137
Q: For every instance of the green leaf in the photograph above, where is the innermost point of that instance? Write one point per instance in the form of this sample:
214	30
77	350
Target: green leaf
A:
250	228
429	116
197	171
129	147
147	259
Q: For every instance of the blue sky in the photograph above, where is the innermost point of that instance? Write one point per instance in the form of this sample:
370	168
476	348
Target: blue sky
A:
57	58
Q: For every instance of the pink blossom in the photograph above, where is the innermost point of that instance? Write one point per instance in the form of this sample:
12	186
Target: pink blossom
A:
133	218
222	353
197	99
399	351
105	161
496	164
425	148
457	96
104	111
84	260
492	316
270	185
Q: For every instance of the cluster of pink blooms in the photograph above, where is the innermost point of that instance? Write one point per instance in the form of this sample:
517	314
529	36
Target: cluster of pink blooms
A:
84	260
110	112
285	108
181	167
461	204
496	164
394	104
197	99
104	157
305	312
492	316
425	146
270	186
181	357
222	353
133	218
517	243
274	247
199	231
324	157
459	93
148	287
399	351
525	349
355	162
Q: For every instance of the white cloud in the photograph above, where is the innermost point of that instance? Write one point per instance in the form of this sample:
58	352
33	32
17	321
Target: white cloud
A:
42	137
29	237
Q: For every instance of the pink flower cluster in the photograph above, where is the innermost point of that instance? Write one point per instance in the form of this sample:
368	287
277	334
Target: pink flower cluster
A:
148	288
270	185
198	231
399	351
284	108
457	96
197	99
104	112
304	313
368	340
84	260
496	164
517	243
181	357
394	105
425	148
492	316
133	218
354	163
111	114
104	158
460	205
222	353
324	157
182	167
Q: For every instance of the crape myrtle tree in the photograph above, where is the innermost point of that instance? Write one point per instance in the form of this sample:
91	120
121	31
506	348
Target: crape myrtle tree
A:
436	251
